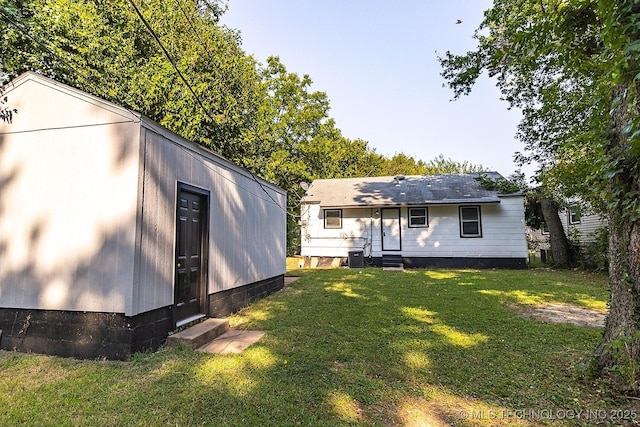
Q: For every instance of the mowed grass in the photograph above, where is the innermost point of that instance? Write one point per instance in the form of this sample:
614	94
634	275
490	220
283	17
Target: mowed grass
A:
350	347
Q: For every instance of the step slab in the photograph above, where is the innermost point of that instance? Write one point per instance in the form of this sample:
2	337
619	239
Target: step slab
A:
232	342
200	334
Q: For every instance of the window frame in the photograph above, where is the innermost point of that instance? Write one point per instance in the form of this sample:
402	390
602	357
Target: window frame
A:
463	221
573	211
339	218
425	216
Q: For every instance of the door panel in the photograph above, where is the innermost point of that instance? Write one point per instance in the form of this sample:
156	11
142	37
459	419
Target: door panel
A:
190	248
391	229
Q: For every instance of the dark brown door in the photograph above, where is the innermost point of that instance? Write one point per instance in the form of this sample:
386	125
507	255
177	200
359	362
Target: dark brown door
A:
190	248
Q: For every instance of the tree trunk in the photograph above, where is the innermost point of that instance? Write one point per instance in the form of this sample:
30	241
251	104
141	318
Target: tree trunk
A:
557	237
619	352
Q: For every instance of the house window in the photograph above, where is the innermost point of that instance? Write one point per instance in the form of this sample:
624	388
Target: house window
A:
418	217
470	225
332	218
574	216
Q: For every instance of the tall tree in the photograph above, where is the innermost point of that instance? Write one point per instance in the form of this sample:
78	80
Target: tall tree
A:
441	165
572	67
558	242
402	164
106	49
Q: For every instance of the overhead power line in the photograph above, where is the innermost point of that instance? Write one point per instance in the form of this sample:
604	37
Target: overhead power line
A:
171	60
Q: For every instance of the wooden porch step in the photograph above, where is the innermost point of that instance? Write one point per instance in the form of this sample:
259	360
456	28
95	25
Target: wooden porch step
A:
200	334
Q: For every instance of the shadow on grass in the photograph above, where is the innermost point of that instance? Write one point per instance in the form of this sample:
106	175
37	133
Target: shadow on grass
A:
343	347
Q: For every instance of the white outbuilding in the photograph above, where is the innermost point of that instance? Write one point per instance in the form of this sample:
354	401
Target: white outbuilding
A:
115	231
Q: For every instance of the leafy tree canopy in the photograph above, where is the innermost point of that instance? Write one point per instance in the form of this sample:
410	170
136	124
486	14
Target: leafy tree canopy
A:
559	62
502	185
258	115
573	67
105	49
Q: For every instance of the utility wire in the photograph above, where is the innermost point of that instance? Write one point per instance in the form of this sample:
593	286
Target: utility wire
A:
199	158
211	57
171	60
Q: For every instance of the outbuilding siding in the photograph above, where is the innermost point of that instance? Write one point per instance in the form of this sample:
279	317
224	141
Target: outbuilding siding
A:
241	248
67	202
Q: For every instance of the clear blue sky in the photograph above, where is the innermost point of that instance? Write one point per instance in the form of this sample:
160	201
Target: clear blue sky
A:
376	60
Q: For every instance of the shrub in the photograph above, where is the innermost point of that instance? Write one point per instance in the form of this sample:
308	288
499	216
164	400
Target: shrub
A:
592	255
596	253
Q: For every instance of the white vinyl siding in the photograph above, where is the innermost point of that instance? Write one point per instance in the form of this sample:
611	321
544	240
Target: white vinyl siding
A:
316	240
502	229
587	225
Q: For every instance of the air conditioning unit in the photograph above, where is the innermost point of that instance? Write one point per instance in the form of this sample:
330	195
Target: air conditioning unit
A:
356	259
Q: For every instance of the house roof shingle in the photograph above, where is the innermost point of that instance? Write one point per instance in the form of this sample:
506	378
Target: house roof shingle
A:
401	190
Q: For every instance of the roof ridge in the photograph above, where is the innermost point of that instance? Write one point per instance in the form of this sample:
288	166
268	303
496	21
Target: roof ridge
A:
410	176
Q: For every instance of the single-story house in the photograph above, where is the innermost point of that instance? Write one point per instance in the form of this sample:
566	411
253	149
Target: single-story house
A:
420	221
115	231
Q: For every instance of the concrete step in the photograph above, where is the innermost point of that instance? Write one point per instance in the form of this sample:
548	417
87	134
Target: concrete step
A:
200	334
232	342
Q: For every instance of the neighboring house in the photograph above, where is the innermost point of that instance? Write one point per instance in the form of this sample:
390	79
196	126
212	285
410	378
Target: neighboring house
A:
423	221
114	231
581	223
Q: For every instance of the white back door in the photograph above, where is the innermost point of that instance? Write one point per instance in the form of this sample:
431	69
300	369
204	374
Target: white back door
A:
391	229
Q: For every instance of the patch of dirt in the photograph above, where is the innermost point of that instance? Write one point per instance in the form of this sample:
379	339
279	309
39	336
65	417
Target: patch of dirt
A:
556	313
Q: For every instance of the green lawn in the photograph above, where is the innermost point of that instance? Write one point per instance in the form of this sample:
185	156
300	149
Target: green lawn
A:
350	347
